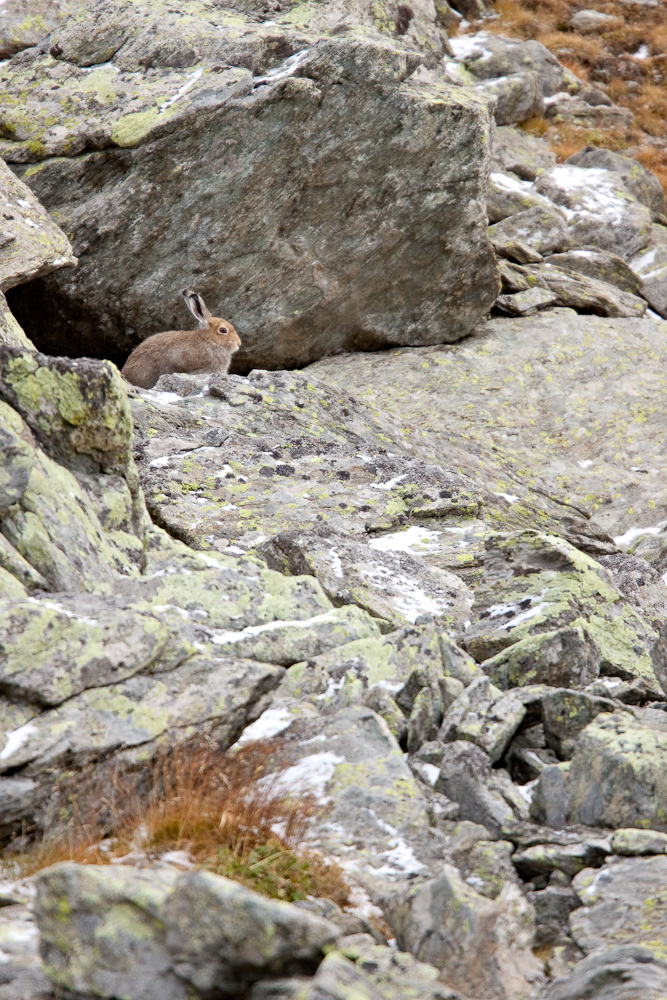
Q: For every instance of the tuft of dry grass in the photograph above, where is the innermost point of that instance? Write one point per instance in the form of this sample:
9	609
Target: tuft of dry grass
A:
227	810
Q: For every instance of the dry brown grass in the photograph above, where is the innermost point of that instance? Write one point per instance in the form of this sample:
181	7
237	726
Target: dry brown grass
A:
227	810
604	58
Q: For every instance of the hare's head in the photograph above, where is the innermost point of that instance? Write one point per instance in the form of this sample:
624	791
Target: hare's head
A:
211	325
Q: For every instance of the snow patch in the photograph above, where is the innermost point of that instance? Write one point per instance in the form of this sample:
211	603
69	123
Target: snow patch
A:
629	536
389	485
224	638
17	738
309	776
270	722
286	68
412	540
182	91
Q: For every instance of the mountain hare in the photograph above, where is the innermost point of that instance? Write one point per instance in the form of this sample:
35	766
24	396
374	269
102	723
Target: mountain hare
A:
196	352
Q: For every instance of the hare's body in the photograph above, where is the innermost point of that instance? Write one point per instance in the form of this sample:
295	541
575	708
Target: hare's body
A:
195	352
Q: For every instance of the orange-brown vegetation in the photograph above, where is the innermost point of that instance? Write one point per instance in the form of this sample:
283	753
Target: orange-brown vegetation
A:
228	810
627	59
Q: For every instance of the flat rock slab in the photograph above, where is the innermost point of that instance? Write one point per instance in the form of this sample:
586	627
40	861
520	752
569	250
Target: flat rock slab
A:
620	973
347	136
545	399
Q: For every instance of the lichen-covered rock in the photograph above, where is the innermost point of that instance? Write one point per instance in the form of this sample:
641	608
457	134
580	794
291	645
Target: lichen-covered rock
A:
49	653
565	656
465	777
632	842
301	456
623	972
485	716
404	286
623	903
584	115
31	244
650	264
222	936
602	265
534	583
507	195
639	181
489	56
543	859
482	946
615	778
393	586
571	289
601	210
518	152
515	97
204	694
552	374
542	230
102	931
565	713
488	867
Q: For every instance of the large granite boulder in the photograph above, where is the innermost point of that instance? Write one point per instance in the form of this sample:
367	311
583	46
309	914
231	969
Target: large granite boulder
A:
31	245
299	146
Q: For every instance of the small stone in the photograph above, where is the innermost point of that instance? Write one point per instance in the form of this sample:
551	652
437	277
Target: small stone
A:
632	842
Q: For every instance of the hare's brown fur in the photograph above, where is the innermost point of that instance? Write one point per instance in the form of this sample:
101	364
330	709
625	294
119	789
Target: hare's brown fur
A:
195	352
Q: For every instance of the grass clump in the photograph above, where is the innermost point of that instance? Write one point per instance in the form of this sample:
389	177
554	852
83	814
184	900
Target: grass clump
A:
228	811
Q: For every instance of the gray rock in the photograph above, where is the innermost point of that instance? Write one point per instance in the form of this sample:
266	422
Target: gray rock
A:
570	289
222	936
484	716
614	779
507	195
639	181
518	152
578	112
650	265
533	585
481	945
501	56
464	778
543	859
543	231
102	933
552	906
623	903
565	713
600	265
526	303
563	657
634	842
601	210
623	972
586	21
393	586
32	244
488	867
516	97
315	297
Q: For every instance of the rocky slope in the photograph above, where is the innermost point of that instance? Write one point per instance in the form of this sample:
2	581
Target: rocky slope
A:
432	574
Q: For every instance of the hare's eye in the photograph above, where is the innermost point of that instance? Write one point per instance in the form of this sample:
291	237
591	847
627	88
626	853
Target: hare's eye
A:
223	329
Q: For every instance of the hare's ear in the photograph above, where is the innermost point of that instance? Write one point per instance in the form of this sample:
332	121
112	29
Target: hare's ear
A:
197	307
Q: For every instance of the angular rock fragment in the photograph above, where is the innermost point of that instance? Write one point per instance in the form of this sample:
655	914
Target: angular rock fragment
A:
488	867
623	903
465	777
543	231
543	859
601	211
553	906
518	152
31	244
507	195
534	584
482	946
222	936
490	56
639	181
633	842
570	289
484	716
565	713
582	114
392	586
563	657
615	777
650	264
516	97
600	265
622	972
526	303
